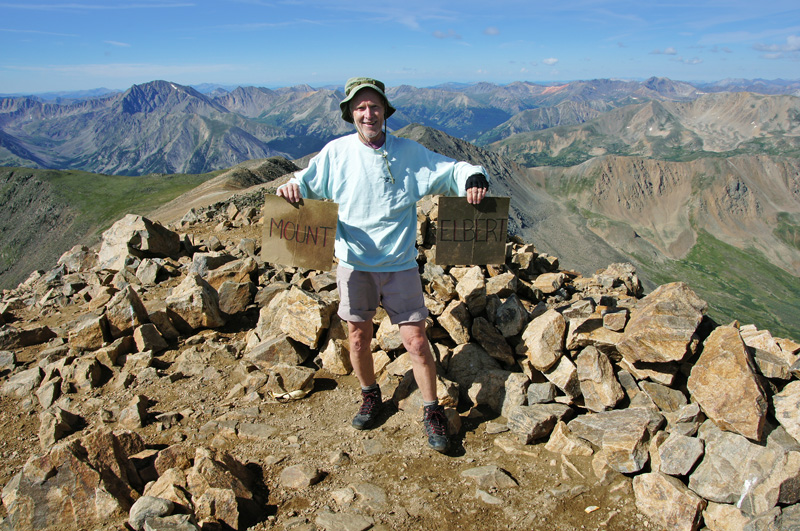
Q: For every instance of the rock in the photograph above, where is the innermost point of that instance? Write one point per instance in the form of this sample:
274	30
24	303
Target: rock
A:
194	304
787	408
471	289
71	487
49	392
502	285
87	373
176	522
235	297
668	400
549	283
438	283
288	382
134	415
467	362
537	421
8	360
622	434
307	315
161	319
388	336
725	384
55	424
615	320
563	441
23	383
89	332
511	316
500	390
662	325
236	272
564	375
543	340
12	338
731	467
218	506
457	320
724	517
335	357
490	477
136	236
299	476
78	259
541	393
492	341
600	389
147	337
329	521
679	453
124	312
279	350
590	332
668	502
148	506
218	471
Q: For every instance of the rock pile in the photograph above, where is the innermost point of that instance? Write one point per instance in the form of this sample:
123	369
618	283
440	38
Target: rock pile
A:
703	417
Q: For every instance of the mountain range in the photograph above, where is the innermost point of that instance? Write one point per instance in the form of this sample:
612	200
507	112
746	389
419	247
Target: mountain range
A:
691	182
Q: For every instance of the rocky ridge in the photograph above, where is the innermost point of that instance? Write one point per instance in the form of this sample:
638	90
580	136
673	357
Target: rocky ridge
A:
173	380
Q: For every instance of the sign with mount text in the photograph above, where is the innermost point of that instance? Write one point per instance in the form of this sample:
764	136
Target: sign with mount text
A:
299	234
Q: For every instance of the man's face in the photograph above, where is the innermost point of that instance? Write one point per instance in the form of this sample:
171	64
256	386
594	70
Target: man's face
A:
368	111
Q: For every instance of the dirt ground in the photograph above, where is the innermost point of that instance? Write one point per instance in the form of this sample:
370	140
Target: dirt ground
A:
424	490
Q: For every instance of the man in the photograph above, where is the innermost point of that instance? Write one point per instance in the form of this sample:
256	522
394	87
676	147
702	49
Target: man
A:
377	180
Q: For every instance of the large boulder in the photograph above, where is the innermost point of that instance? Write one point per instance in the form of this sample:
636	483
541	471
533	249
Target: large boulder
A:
136	236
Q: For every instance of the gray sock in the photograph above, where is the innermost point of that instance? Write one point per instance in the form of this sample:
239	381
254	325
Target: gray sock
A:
432	403
373	387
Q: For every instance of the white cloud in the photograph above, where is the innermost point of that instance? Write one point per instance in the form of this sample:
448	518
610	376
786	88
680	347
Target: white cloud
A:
667	51
550	61
36	32
449	35
692	61
778	51
491	30
117	43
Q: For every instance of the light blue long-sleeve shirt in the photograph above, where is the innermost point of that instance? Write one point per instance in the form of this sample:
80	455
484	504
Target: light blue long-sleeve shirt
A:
377	228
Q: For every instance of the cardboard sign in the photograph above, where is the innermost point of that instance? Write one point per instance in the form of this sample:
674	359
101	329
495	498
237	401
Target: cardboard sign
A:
299	234
469	234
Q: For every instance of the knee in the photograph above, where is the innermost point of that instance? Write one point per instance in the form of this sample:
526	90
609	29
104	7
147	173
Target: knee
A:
359	340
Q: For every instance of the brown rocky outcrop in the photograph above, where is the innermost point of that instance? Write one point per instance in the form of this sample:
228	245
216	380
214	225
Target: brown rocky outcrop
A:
696	421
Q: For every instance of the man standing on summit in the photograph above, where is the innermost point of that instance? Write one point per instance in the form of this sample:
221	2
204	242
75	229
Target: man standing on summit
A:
377	180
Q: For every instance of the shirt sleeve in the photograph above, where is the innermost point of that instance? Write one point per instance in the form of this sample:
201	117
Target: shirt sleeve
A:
314	181
447	176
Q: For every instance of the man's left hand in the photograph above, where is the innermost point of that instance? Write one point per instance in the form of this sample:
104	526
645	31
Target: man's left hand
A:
475	195
476	186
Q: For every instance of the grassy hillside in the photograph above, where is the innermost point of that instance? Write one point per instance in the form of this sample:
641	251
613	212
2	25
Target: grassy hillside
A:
100	200
736	284
46	212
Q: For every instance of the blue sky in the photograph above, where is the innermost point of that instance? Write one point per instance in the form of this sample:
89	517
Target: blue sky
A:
85	44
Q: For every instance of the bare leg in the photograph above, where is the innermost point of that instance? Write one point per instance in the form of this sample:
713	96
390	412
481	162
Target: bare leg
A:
422	362
360	337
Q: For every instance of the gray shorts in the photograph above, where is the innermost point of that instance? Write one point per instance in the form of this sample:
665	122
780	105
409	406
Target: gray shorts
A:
399	292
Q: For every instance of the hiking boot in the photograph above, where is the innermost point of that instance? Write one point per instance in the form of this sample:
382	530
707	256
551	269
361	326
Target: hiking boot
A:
436	428
370	406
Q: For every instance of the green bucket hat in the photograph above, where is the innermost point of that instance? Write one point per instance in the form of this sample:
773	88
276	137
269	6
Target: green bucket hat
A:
353	85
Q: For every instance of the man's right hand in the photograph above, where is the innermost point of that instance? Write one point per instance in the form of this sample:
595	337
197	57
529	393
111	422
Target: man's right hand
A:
290	192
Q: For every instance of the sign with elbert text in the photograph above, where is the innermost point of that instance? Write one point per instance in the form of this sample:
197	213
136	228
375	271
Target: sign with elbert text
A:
299	234
469	234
